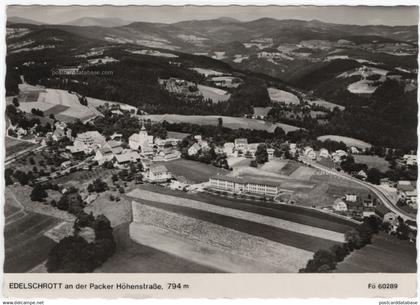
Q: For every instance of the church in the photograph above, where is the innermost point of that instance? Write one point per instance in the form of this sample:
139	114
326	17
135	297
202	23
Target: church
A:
141	141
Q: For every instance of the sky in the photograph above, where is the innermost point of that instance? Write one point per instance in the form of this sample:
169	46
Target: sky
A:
361	15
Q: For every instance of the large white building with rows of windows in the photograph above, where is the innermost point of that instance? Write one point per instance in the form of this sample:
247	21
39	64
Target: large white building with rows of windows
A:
241	185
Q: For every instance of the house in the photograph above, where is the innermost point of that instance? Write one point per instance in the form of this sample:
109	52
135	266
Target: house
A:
339	205
228	148
410	160
194	149
61	131
116	136
240	185
241	144
270	152
407	191
338	156
198	138
355	208
140	141
158	174
323	152
362	175
205	145
103	154
309	153
391	218
292	148
354	150
87	142
350	197
127	157
252	149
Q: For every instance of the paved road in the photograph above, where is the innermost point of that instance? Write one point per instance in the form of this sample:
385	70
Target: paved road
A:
383	196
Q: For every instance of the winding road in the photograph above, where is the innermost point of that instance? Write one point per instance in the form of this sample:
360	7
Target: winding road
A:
381	194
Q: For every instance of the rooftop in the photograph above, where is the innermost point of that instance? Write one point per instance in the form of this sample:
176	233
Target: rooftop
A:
245	180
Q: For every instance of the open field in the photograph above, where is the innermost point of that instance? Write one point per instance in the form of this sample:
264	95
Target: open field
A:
346	140
193	171
25	244
243	215
215	94
261	111
229	122
325	104
14	145
277	95
117	212
131	257
194	234
373	161
207	72
385	254
177	135
64	105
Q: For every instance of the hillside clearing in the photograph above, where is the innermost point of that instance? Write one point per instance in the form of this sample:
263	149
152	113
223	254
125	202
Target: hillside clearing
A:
229	122
346	140
281	96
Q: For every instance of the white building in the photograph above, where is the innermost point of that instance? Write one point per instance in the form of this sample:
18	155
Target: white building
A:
309	153
350	197
270	152
194	149
323	152
140	141
410	160
339	205
354	150
157	174
87	142
228	148
240	185
338	155
127	157
241	144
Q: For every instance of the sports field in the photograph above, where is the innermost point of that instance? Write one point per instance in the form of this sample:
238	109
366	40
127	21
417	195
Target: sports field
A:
194	172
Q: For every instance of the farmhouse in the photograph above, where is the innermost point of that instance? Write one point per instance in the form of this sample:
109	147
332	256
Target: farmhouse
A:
228	148
241	144
194	149
127	157
339	205
158	174
410	160
338	155
61	131
87	142
270	152
323	152
240	185
309	152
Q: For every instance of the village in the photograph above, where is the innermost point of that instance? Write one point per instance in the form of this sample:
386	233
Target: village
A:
90	149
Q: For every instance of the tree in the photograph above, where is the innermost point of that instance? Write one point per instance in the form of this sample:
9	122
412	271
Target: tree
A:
220	122
8	176
15	102
98	185
374	175
353	239
38	193
279	133
261	155
402	229
22	177
253	163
